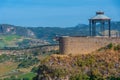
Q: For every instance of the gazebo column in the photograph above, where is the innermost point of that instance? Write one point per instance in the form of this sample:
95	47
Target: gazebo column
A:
93	28
109	25
90	28
102	28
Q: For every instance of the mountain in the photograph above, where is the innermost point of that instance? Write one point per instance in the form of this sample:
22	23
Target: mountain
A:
6	29
49	33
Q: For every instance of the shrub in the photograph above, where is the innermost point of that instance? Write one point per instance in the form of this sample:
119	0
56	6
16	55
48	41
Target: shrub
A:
26	79
80	77
110	46
116	48
28	62
35	69
113	78
59	72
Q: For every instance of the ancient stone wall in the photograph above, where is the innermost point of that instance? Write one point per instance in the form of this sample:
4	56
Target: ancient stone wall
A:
84	45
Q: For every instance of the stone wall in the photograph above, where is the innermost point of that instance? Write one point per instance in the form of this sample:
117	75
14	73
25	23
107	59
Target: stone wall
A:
84	45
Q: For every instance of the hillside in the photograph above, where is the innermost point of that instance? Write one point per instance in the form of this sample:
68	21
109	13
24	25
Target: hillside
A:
23	64
49	33
7	41
103	64
7	29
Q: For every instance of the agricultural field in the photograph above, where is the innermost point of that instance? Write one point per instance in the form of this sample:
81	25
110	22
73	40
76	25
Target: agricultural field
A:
29	76
9	40
21	66
19	41
6	67
18	67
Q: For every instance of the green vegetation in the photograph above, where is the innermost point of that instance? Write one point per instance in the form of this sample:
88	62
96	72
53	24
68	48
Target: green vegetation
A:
26	76
22	66
24	61
59	72
89	60
9	40
110	46
34	69
24	43
15	41
117	47
10	37
28	62
4	58
2	44
80	77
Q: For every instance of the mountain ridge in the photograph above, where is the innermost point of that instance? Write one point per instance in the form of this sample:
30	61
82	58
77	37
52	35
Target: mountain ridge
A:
49	33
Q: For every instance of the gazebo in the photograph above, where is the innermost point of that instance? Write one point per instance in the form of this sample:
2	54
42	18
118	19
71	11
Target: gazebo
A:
104	22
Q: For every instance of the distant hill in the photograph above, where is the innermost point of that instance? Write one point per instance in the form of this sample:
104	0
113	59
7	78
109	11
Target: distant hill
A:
7	29
49	33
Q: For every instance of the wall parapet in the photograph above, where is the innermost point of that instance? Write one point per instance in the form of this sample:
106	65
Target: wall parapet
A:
84	45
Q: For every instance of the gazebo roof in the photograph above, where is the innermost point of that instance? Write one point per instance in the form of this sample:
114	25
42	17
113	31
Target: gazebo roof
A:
100	16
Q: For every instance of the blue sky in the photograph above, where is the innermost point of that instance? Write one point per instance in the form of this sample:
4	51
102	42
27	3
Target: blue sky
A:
57	13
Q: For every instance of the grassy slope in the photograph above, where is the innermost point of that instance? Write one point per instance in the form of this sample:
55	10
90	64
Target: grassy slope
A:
7	67
2	44
9	40
19	41
28	75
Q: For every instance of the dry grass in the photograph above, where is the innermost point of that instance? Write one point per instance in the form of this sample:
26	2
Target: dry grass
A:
7	67
105	62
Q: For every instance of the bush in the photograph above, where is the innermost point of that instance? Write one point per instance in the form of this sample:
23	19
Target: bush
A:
28	62
80	77
34	69
113	78
116	48
59	72
110	46
26	79
4	58
88	61
35	53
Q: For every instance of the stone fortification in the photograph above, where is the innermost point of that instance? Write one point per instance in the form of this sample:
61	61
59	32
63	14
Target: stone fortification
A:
84	45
